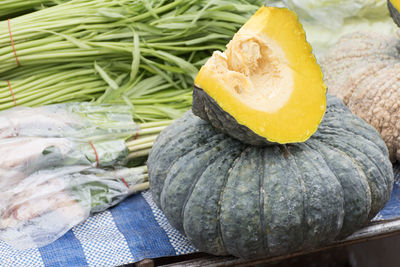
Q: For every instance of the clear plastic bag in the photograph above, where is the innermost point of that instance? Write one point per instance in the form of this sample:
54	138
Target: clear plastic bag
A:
48	203
52	168
22	156
333	13
72	120
32	139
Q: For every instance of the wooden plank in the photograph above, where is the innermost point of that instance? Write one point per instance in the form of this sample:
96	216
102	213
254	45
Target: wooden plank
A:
373	231
145	263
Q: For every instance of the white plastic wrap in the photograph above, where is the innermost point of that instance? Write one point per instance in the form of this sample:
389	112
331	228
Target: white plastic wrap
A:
26	155
72	120
57	166
48	203
32	139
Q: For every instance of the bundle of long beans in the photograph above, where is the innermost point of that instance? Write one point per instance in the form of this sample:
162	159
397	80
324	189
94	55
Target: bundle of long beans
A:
145	53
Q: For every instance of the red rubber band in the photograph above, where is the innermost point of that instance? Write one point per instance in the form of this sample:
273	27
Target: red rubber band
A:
136	136
95	152
123	180
12	93
12	43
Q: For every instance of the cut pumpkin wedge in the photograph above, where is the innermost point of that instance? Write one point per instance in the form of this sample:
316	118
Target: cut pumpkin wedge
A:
394	9
267	86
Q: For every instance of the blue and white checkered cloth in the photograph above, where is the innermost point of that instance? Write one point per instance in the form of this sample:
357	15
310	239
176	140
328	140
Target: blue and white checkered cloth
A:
134	230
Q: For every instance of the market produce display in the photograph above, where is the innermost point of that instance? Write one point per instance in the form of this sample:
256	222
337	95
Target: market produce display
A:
141	53
139	57
231	198
265	163
266	87
362	69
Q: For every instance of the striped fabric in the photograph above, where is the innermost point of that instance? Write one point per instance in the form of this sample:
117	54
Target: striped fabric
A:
392	208
134	230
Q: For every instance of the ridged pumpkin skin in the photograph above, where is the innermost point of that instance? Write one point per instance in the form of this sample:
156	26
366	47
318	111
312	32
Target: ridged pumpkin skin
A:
394	12
363	69
249	201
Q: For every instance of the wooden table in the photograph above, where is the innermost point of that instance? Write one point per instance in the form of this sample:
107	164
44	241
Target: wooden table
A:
373	231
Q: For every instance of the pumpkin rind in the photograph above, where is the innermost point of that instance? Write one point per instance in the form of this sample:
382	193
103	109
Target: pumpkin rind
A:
208	109
249	201
394	13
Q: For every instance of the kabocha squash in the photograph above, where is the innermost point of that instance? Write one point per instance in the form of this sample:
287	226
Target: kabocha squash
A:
394	9
363	69
266	87
231	198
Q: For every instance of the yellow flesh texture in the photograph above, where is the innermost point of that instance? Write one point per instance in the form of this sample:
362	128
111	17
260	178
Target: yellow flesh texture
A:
396	4
268	78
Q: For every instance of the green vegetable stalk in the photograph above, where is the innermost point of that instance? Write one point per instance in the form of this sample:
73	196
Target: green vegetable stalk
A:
10	8
150	100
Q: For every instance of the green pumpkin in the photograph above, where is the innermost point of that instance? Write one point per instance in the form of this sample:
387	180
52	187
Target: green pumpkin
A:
231	198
